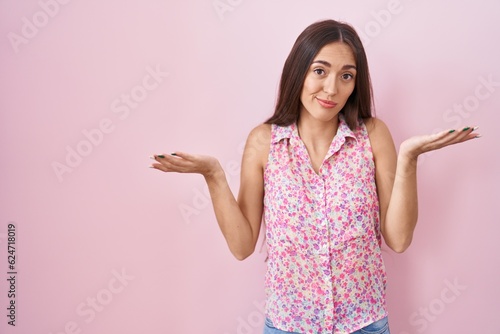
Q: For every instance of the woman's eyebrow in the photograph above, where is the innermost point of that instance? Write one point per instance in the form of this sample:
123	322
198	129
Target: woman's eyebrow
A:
323	62
327	64
348	67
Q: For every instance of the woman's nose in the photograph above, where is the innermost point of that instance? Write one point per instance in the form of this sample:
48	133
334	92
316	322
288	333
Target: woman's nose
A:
330	86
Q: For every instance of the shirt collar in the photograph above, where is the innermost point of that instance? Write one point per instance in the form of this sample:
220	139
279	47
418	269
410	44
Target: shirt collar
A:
290	132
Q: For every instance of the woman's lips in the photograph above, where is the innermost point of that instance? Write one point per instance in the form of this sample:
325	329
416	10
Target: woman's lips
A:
326	103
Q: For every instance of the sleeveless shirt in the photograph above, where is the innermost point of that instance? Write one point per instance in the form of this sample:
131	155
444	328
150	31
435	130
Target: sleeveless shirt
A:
325	272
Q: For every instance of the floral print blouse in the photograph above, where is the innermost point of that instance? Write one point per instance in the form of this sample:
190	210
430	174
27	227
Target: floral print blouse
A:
325	272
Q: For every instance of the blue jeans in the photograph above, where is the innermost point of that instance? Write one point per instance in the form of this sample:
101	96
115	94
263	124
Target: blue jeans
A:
378	327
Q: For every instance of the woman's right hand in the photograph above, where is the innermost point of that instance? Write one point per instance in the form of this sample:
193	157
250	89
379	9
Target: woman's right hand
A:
239	220
180	162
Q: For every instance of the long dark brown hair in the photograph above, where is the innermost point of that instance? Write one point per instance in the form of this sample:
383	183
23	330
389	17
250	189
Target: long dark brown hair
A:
306	47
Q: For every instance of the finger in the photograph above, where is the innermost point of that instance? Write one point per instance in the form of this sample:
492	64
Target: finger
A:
456	136
442	139
160	167
157	157
174	155
465	133
470	136
183	155
174	163
165	157
471	133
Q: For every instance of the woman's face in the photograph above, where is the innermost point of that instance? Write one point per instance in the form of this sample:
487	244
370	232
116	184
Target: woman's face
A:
329	82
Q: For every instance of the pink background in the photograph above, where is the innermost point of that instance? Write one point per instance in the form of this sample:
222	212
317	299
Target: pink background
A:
107	245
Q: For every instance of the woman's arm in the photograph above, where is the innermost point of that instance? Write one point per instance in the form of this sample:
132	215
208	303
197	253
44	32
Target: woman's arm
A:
239	220
396	178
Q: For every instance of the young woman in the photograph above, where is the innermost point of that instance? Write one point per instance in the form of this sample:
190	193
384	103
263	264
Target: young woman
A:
325	176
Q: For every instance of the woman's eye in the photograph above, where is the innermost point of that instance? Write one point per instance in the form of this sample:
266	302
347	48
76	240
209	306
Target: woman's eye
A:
319	71
347	76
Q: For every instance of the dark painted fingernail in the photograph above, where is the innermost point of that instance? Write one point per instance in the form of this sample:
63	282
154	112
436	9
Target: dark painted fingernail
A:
161	156
451	131
467	128
175	154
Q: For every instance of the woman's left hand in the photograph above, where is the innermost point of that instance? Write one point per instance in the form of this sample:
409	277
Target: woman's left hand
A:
414	146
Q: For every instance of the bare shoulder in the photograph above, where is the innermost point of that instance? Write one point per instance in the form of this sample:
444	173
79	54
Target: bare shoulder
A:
376	127
379	134
261	132
258	143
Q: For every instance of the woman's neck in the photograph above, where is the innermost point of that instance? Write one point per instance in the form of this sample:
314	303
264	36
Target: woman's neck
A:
317	134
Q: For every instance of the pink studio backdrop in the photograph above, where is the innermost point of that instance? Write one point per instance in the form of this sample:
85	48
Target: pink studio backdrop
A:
103	244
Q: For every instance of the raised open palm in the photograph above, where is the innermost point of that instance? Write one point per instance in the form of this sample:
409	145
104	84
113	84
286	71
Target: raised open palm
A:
186	163
414	146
